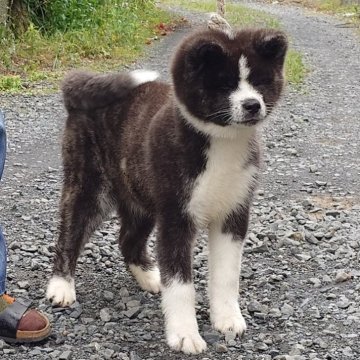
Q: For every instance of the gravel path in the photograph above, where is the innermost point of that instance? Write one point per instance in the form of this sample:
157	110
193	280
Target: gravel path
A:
300	280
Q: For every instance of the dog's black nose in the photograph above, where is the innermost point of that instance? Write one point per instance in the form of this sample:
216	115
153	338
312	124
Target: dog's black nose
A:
252	106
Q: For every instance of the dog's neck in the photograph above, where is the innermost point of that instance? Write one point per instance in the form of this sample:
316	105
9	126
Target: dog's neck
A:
213	130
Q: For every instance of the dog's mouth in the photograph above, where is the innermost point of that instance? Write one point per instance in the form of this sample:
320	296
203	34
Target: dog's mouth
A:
252	120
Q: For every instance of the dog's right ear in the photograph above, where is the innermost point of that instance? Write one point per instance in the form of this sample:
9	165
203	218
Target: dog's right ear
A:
205	56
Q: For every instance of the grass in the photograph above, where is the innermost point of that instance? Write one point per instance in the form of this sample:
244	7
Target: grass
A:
239	15
332	7
111	37
10	83
336	7
235	13
116	34
295	69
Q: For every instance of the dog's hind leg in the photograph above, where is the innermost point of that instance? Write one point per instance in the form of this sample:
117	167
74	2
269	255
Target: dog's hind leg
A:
81	213
84	204
135	230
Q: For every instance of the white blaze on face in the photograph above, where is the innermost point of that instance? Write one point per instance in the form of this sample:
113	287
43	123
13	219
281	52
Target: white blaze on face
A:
245	91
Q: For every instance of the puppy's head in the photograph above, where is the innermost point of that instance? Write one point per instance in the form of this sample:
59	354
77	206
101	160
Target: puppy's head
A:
226	83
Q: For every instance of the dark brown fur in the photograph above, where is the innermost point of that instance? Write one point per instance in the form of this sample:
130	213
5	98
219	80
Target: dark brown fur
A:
111	120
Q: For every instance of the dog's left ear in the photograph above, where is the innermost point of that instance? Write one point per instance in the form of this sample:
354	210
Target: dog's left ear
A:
272	45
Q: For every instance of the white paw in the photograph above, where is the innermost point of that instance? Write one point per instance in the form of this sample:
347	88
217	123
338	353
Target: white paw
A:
188	343
61	292
229	321
142	76
149	280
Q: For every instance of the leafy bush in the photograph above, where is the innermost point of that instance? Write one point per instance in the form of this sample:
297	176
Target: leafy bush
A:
10	83
63	34
50	16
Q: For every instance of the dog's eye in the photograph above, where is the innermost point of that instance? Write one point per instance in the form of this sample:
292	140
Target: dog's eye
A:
228	83
261	81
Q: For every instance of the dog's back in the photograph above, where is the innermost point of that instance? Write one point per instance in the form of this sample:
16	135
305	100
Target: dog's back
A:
108	118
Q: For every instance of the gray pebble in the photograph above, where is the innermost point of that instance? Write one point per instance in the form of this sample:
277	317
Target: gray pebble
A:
108	295
211	337
287	309
221	348
105	314
133	312
66	355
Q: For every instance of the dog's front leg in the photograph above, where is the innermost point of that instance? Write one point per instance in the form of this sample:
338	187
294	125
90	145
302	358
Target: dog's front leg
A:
175	243
225	252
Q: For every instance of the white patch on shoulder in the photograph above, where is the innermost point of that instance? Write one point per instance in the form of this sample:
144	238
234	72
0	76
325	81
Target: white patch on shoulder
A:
149	280
142	76
245	91
226	181
60	291
224	270
178	304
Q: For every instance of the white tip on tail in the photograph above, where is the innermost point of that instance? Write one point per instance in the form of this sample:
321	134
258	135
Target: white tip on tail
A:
143	76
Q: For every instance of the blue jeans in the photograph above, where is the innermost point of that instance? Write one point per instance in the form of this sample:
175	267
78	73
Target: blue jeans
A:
2	239
2	263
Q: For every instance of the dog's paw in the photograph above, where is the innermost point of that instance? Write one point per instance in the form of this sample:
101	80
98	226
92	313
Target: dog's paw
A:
149	280
61	292
229	321
188	343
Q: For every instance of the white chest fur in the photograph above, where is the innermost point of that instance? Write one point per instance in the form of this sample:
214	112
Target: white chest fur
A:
225	183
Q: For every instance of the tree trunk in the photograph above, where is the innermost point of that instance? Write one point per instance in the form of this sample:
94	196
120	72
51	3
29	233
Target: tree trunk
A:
4	9
19	17
221	7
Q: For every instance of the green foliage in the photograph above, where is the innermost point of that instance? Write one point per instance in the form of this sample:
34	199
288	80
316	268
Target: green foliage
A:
6	42
235	13
294	67
98	34
66	15
10	83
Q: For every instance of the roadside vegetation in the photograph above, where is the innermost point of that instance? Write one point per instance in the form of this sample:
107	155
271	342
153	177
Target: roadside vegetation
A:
96	34
349	9
239	15
333	6
101	35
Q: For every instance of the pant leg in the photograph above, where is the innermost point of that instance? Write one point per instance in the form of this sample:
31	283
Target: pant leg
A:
2	239
2	143
2	263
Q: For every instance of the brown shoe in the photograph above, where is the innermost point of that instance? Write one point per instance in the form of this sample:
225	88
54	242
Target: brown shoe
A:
18	324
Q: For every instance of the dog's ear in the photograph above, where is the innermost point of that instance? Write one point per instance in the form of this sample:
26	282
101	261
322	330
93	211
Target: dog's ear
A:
272	45
207	55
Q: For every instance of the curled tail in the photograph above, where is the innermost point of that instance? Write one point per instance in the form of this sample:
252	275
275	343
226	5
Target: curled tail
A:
87	91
